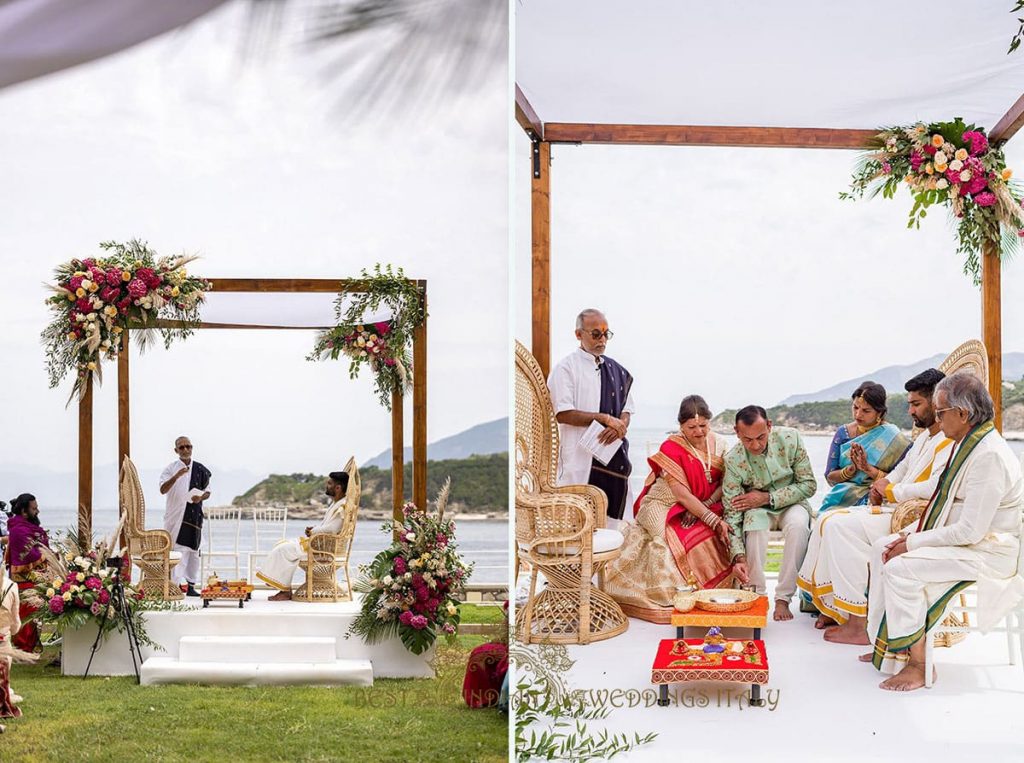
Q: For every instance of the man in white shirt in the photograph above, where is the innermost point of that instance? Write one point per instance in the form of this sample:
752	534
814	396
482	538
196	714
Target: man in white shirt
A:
969	532
835	570
186	484
587	386
284	557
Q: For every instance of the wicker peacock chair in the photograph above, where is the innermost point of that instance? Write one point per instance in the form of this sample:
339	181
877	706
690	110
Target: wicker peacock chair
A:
557	529
149	549
327	553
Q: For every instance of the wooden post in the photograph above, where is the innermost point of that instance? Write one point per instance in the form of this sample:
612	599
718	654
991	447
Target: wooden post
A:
419	409
123	410
540	164
85	464
397	458
992	323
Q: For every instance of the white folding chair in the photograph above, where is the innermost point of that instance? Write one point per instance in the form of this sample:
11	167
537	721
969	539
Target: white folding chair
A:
269	527
221	527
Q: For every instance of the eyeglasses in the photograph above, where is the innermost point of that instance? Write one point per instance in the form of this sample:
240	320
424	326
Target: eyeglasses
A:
595	334
184	447
940	411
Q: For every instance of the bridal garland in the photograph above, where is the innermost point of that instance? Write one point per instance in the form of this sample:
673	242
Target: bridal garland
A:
96	299
382	345
948	163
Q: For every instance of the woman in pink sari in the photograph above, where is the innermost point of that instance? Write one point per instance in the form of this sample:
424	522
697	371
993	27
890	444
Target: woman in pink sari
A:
679	534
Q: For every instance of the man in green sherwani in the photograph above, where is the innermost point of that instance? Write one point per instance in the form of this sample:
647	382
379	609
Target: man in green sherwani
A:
768	479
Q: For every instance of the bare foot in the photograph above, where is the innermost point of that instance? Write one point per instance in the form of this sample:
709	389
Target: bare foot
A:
848	633
866	657
782	610
908	679
824	621
281	596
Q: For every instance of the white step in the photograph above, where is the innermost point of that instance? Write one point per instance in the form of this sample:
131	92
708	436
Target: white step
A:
167	670
276	649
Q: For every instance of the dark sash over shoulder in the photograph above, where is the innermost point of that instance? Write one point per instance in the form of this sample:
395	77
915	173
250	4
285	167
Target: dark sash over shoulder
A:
613	478
191	531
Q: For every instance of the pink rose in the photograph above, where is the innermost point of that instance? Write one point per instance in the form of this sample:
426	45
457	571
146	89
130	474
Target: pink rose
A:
137	289
96	608
977	143
448	628
405	618
986	199
57	604
886	167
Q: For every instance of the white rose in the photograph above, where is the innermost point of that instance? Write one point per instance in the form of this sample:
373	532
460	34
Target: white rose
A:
940	158
66	596
942	183
452	609
965	176
86	283
956	165
387	580
49	593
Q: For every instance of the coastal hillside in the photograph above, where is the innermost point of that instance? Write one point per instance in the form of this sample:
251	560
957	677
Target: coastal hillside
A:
479	486
894	377
827	416
481	440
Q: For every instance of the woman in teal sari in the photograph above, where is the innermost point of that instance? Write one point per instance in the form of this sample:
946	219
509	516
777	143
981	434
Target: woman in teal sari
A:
862	451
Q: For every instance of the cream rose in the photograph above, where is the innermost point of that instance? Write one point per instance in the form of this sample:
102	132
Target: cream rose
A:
956	165
943	183
940	158
965	176
961	154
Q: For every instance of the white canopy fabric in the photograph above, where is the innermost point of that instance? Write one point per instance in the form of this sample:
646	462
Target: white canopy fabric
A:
789	63
38	37
303	310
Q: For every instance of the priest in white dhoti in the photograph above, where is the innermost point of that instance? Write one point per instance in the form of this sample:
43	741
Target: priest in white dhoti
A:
969	532
284	557
590	389
186	483
835	571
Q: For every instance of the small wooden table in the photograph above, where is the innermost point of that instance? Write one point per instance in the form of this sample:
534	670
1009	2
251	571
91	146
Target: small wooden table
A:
241	593
676	662
755	616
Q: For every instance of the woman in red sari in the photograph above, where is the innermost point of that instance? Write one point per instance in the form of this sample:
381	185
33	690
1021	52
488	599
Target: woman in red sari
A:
679	534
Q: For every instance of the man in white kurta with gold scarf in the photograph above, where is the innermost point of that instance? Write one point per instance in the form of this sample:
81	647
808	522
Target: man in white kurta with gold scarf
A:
969	532
284	558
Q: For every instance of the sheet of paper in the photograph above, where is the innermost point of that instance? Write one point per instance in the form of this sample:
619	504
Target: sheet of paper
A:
601	452
195	492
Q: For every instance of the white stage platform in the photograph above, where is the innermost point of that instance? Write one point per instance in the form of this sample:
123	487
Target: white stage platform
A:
263	643
822	703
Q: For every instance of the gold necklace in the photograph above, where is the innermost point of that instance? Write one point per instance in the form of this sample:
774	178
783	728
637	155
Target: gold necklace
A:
698	451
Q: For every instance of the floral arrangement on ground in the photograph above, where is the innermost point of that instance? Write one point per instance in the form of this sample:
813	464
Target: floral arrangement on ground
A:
949	163
97	298
410	589
77	588
382	345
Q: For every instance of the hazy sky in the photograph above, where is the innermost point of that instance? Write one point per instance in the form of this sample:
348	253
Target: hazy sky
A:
739	275
182	142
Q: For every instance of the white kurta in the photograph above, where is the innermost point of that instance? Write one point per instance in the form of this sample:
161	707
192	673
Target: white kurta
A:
284	557
187	570
835	570
977	537
575	385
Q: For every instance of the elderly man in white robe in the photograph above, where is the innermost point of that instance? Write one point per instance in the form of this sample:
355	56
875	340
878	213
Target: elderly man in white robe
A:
284	557
835	571
186	484
969	532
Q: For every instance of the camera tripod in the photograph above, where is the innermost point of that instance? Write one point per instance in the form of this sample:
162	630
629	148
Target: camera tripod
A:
119	603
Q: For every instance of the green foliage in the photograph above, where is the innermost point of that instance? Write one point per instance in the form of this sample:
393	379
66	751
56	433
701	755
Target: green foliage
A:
1015	42
392	367
479	484
563	732
1014	395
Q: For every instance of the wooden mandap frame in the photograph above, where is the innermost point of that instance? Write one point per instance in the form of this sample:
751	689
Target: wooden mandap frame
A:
543	134
272	286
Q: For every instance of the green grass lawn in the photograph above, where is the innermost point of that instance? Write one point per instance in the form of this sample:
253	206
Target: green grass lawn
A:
70	719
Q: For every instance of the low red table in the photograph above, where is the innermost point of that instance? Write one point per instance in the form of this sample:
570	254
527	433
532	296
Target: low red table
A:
676	662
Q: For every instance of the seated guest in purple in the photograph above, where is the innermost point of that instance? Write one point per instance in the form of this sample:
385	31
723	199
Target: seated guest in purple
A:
25	535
